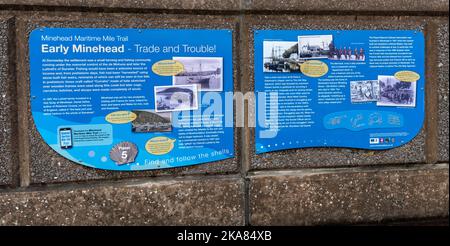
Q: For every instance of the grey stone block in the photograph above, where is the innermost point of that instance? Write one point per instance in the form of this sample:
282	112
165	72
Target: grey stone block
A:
8	157
412	152
217	201
253	5
348	196
49	167
443	91
131	4
347	5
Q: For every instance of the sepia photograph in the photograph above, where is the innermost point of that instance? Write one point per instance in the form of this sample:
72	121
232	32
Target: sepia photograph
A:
364	91
394	92
176	98
280	56
314	46
151	121
206	72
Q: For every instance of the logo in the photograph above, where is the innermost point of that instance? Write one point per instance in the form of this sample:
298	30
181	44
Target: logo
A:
374	141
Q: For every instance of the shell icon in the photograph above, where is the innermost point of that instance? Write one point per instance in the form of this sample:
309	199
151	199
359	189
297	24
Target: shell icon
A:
123	153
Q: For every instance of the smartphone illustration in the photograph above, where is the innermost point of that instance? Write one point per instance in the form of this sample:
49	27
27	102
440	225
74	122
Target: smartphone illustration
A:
65	138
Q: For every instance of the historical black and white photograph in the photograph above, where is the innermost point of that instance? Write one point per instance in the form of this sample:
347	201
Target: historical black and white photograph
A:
394	92
151	121
364	91
176	98
346	53
281	56
206	72
314	46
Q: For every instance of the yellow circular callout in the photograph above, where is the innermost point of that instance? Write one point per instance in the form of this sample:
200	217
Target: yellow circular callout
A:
167	67
120	117
314	68
159	145
407	76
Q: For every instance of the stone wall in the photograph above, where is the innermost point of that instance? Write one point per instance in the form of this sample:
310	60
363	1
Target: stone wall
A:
293	187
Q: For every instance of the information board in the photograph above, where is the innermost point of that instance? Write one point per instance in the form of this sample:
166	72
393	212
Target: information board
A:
133	99
357	88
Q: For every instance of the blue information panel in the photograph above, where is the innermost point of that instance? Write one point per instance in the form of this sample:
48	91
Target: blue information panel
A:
357	89
131	99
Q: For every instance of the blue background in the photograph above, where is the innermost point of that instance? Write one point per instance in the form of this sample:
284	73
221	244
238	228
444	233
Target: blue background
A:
48	125
319	135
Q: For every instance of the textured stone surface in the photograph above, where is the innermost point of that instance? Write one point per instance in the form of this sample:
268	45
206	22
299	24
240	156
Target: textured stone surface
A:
133	4
7	119
347	5
348	196
419	222
412	152
443	91
217	201
46	165
285	5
